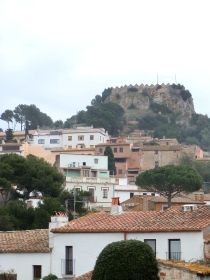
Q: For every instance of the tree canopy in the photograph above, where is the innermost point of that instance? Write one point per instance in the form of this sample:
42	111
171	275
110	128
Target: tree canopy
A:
31	173
28	116
129	259
170	180
111	161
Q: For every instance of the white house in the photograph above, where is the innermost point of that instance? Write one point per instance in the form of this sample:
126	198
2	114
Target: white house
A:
80	137
124	191
173	234
71	248
89	173
11	148
27	253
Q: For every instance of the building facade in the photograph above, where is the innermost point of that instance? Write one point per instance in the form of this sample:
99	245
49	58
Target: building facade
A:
80	137
89	173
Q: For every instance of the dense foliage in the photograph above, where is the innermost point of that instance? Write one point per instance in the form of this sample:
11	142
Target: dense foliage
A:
130	259
106	115
50	277
28	116
19	178
201	166
31	173
111	161
162	122
170	180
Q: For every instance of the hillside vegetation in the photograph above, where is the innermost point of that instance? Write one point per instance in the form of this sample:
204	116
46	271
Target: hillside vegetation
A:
161	110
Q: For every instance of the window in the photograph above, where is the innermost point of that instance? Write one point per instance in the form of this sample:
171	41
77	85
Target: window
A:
69	260
54	141
105	193
152	244
91	137
41	141
96	160
69	147
10	148
115	150
80	137
92	194
156	163
131	194
121	150
120	159
100	150
85	173
84	163
144	193
37	272
69	138
119	171
174	249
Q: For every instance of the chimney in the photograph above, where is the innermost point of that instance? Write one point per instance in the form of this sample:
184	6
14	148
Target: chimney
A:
58	220
116	208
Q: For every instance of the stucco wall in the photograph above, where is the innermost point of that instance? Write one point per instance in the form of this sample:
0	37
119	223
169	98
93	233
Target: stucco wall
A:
23	264
188	251
87	246
66	159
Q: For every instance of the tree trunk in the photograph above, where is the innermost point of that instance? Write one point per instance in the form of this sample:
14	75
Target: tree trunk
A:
169	200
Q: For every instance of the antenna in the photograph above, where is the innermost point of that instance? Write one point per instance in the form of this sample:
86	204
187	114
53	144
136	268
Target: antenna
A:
175	79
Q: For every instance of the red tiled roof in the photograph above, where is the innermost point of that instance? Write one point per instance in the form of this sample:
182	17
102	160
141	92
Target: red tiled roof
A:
27	241
171	220
177	199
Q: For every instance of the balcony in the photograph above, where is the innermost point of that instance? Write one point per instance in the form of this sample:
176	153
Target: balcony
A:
173	256
91	180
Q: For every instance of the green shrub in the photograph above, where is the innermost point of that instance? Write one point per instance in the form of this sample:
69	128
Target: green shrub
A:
126	260
50	277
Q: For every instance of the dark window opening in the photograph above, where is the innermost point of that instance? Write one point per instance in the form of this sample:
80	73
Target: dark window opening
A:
174	249
37	272
152	244
69	260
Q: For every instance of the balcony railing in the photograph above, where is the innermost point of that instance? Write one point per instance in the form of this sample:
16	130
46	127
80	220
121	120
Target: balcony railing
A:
93	180
173	255
67	266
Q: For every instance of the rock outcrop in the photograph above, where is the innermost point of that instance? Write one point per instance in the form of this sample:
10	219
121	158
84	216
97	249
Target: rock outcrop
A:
140	98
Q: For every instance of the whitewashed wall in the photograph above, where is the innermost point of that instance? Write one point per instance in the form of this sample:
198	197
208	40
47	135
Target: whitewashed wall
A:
66	159
99	136
23	263
191	243
87	247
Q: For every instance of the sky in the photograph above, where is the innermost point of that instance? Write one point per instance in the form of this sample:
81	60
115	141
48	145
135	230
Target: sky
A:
58	54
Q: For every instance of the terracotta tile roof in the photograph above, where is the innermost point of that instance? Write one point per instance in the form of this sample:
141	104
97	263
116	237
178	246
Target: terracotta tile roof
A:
86	276
171	220
196	267
177	199
136	199
26	241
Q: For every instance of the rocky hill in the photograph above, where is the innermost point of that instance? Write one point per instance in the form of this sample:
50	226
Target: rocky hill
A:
139	99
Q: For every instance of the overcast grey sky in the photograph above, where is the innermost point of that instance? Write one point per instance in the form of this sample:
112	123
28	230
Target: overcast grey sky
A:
58	54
